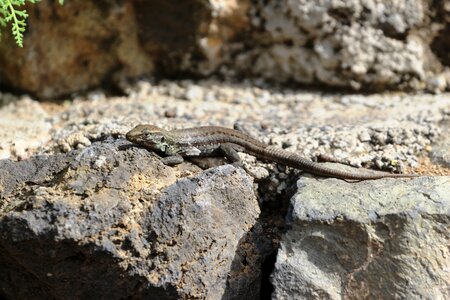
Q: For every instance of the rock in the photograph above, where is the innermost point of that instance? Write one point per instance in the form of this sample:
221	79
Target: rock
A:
194	93
361	44
105	42
113	222
378	239
437	84
440	153
24	126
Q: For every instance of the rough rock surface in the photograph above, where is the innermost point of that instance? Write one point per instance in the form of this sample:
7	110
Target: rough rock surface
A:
370	130
368	240
24	127
69	155
87	44
359	44
111	222
390	131
441	153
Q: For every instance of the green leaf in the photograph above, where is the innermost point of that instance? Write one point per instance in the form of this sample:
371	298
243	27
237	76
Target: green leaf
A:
10	13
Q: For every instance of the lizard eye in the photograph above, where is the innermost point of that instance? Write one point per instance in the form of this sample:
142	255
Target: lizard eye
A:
163	139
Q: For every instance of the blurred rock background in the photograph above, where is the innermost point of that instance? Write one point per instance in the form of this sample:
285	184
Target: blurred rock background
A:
364	45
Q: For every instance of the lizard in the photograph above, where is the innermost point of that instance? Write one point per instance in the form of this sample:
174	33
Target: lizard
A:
205	141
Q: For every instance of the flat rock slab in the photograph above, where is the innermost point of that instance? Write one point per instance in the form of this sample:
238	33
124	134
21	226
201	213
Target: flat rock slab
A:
378	239
111	222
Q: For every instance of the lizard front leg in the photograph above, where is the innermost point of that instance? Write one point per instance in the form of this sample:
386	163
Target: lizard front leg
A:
172	160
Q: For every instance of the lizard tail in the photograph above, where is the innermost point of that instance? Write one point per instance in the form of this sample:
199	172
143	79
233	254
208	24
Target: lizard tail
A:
293	160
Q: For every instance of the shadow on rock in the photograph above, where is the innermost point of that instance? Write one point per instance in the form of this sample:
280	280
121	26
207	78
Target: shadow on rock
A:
103	223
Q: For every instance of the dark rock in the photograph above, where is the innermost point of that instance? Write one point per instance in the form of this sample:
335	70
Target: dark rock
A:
106	223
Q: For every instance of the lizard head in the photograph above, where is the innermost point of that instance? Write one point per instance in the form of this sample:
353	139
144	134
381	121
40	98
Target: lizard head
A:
151	137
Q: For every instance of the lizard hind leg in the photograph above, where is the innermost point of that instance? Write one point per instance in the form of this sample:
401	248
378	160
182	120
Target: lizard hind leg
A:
230	151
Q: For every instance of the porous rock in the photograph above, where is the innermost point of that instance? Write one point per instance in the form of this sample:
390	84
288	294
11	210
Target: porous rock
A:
378	239
359	44
112	222
86	44
440	151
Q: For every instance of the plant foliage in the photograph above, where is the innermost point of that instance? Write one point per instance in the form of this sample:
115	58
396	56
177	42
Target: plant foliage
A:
10	12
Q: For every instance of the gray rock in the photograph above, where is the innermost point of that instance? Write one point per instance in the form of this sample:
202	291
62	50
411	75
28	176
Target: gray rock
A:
110	222
440	151
437	84
194	93
24	125
358	44
380	239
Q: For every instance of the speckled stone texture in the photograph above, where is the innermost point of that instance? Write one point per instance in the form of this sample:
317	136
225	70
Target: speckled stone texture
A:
379	239
89	211
441	150
112	222
358	44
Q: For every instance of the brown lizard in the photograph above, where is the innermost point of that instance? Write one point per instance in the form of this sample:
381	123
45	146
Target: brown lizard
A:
216	141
